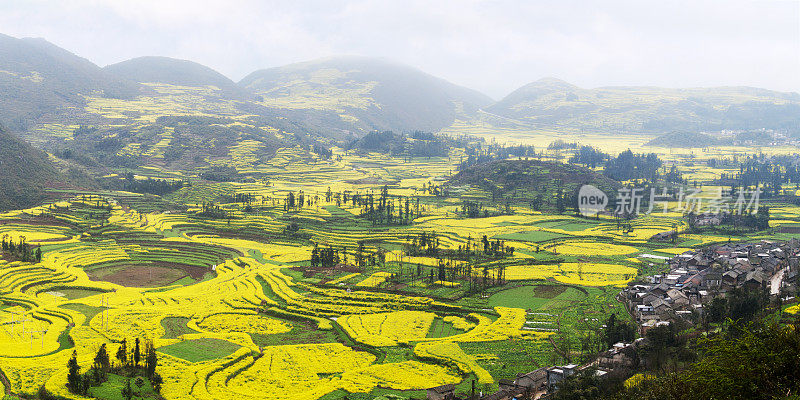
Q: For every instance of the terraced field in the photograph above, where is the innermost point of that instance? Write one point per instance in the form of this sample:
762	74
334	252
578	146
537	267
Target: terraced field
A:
237	306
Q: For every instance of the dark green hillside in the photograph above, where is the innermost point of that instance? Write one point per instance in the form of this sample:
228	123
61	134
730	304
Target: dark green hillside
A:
683	139
555	103
25	173
372	93
527	179
38	79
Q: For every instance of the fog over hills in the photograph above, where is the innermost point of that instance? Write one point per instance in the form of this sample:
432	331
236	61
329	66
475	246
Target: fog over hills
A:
41	83
171	71
379	93
552	102
38	78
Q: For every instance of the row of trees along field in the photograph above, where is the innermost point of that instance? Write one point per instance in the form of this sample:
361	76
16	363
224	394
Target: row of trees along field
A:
150	185
770	173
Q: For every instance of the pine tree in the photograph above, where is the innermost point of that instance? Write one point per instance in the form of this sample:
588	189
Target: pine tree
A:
122	353
151	359
137	355
101	360
74	374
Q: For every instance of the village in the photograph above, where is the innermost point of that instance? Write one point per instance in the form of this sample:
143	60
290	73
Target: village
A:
694	280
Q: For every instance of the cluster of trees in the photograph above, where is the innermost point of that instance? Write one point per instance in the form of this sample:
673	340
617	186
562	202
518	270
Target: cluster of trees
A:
329	257
150	185
417	144
385	209
381	209
137	361
756	360
244	198
213	211
738	305
427	244
627	166
20	251
588	156
560	144
220	174
769	173
298	201
475	209
481	154
616	331
757	221
321	150
734	222
435	190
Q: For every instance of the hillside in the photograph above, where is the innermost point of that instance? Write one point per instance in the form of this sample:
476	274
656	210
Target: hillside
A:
551	102
39	79
528	179
372	94
171	71
26	172
683	139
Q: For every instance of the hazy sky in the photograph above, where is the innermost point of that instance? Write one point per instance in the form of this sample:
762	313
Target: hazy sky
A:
491	46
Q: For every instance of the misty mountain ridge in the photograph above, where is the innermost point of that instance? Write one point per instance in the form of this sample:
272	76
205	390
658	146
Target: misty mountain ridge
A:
156	69
139	109
375	94
555	103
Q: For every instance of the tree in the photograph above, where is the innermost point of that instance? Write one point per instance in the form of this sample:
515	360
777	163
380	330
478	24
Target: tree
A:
122	352
127	391
151	359
615	331
716	310
74	373
101	360
137	355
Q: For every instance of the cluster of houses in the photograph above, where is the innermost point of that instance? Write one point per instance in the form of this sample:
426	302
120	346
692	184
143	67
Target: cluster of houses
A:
695	278
538	384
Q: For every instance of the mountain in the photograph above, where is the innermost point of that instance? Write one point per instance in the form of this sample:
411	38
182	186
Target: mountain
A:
554	103
372	94
38	78
152	69
26	172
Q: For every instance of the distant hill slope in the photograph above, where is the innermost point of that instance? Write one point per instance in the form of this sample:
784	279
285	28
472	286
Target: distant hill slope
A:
25	173
683	139
527	179
172	71
373	94
38	78
552	102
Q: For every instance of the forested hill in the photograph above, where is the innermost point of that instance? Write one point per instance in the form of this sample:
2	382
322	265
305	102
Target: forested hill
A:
529	179
24	173
555	103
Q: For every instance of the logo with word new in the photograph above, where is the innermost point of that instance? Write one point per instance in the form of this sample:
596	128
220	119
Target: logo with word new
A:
591	200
